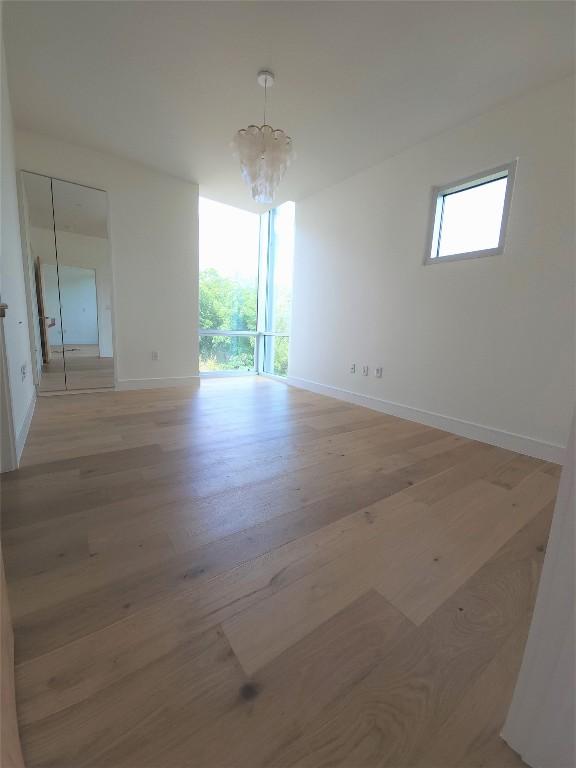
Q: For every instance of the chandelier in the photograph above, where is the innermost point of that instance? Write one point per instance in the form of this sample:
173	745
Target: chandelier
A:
264	152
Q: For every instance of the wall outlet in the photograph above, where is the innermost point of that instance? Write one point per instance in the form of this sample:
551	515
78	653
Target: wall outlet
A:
24	371
364	370
353	368
378	373
155	355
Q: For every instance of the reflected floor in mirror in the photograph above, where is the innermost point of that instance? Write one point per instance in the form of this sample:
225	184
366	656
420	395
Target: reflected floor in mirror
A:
85	369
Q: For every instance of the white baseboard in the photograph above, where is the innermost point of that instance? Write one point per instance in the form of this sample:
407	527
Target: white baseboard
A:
513	442
174	381
25	428
282	379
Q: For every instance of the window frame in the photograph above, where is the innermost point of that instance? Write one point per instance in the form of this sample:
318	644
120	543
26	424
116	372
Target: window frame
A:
439	193
268	267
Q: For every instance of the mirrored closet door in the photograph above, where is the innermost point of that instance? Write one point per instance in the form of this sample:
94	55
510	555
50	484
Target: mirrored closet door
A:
68	247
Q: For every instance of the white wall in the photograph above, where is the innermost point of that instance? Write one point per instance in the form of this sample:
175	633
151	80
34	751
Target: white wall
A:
92	252
154	248
82	251
488	341
540	723
12	288
79	308
72	291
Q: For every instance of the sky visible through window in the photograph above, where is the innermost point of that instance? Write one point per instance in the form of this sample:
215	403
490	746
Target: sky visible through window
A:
472	218
229	239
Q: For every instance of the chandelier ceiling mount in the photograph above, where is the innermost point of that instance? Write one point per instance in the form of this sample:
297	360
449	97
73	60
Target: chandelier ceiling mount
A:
264	152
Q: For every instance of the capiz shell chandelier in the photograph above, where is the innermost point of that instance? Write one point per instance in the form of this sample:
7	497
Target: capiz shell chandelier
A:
264	152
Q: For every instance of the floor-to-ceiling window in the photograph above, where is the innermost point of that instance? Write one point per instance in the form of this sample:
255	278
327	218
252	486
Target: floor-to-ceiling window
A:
229	264
245	289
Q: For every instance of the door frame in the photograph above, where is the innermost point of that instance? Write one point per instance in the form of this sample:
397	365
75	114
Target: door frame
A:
8	456
30	283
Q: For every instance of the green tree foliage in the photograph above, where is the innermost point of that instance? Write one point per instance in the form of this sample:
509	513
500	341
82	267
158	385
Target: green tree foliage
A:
226	305
280	359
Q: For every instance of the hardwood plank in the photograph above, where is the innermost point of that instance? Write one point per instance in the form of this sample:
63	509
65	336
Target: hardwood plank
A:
264	719
452	555
202	670
130	494
10	747
390	716
512	473
373	575
472	732
388	547
437	487
33	550
204	598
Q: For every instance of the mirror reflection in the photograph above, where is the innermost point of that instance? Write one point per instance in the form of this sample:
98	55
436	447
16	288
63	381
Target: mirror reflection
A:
68	247
42	254
85	279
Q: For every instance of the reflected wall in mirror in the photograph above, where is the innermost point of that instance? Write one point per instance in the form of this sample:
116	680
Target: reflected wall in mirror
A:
74	288
85	274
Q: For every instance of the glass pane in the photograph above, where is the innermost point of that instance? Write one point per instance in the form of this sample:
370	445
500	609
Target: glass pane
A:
280	262
229	247
276	355
471	219
49	351
227	353
85	276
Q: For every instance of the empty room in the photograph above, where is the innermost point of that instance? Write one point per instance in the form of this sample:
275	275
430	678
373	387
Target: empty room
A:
287	384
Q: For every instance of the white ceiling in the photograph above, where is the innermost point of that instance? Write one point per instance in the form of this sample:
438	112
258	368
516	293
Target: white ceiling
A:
168	83
77	209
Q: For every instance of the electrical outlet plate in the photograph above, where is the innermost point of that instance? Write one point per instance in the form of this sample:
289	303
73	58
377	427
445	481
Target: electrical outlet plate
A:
353	368
378	373
155	356
364	370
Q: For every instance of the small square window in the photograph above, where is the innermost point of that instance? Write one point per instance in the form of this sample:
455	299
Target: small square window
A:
469	218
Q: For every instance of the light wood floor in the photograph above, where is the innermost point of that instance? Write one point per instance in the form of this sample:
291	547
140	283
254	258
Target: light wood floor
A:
85	369
246	574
